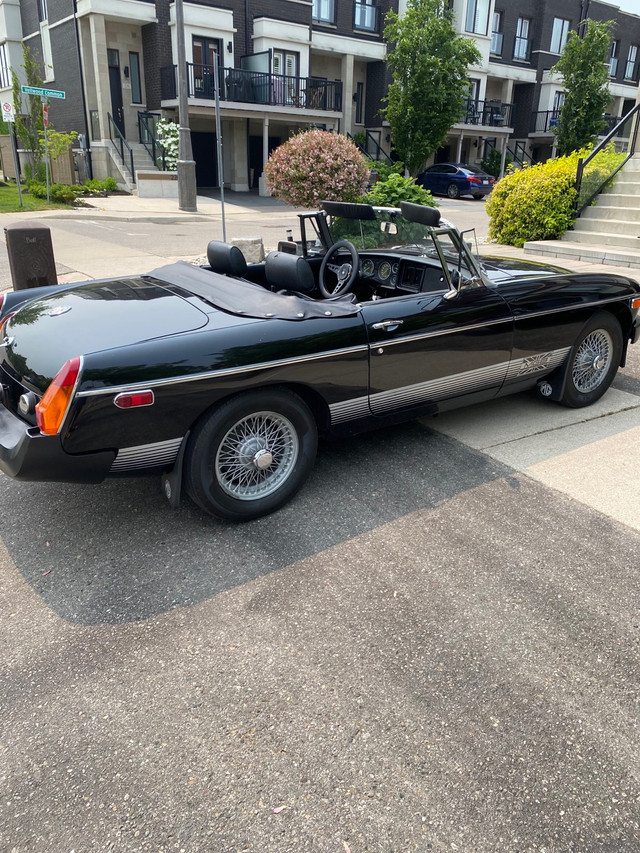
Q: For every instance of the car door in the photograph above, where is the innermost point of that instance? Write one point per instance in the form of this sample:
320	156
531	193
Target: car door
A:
429	348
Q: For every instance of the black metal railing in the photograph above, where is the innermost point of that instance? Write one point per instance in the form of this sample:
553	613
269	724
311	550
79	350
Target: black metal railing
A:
255	87
486	113
371	148
122	146
147	135
544	121
597	170
517	152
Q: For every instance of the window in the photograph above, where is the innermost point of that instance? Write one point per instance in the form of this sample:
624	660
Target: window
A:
631	68
559	34
613	61
5	76
477	17
365	15
134	68
521	44
359	102
558	101
496	34
324	11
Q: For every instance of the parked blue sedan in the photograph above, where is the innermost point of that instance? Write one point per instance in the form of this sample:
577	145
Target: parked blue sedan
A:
456	179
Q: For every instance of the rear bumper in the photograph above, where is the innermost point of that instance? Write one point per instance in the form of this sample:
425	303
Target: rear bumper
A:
26	454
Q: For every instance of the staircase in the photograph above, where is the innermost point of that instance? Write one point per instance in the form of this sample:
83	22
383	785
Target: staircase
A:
141	160
607	232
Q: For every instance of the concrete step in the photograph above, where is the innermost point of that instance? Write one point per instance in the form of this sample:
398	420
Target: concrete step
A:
606	212
593	253
605	238
618	199
600	224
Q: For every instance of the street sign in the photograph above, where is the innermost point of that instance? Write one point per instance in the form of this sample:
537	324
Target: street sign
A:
7	111
44	93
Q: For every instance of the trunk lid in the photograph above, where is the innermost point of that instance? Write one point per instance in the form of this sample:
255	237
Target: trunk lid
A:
92	317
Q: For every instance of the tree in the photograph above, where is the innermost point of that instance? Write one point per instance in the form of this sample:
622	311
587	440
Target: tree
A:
584	69
429	62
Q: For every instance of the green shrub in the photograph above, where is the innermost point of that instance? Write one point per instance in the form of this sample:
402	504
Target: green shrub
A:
492	162
67	193
313	166
533	203
538	202
394	189
385	169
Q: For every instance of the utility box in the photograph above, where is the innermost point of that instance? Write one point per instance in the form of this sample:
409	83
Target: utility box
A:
30	253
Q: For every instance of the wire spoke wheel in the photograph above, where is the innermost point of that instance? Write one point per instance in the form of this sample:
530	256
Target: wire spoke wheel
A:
256	455
592	361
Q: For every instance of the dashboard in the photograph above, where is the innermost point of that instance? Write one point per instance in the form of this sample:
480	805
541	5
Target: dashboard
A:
402	275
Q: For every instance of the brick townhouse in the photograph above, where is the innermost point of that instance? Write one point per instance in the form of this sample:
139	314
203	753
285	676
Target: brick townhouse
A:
285	66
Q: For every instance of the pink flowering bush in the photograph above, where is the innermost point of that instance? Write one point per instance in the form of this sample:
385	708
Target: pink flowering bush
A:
314	166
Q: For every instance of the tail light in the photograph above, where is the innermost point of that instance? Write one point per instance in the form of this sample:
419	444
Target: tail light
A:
473	180
52	409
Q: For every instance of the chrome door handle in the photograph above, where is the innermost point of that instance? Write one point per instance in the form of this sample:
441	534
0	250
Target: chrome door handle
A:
387	324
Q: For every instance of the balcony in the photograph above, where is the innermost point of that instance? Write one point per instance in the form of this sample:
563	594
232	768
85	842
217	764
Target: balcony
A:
240	86
487	113
544	121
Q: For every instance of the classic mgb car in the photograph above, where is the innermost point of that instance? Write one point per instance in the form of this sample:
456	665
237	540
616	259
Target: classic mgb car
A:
221	378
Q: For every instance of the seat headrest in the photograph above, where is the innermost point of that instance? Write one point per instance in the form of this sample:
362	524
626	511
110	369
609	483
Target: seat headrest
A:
289	272
226	259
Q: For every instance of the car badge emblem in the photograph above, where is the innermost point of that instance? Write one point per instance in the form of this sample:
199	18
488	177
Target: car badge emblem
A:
57	310
8	342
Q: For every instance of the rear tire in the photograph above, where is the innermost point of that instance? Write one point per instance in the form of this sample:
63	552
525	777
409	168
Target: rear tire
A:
477	195
453	191
593	361
251	455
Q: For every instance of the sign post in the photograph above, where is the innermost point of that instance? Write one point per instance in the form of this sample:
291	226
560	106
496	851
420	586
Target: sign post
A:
44	94
9	116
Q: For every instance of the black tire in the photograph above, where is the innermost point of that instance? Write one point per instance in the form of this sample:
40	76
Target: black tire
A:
251	455
593	361
477	195
453	191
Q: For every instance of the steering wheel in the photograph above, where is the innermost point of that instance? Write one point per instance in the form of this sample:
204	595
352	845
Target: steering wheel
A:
345	272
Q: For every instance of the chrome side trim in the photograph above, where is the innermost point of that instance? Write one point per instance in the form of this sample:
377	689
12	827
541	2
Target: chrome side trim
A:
349	410
387	342
533	315
146	455
439	389
231	371
540	363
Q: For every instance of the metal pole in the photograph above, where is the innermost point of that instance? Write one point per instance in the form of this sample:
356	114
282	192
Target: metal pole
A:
16	165
46	144
216	83
187	199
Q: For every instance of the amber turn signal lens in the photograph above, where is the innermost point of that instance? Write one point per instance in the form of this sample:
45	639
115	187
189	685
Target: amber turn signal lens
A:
635	303
52	409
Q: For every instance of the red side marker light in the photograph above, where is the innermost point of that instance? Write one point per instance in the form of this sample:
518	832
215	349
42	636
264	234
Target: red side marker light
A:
52	409
635	303
133	399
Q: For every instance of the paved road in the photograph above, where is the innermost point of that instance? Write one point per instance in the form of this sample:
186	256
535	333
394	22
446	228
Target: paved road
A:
436	647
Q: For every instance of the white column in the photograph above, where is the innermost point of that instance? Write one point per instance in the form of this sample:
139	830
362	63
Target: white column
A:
100	71
347	93
262	183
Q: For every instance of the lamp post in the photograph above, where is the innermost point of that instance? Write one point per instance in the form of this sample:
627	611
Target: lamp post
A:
186	163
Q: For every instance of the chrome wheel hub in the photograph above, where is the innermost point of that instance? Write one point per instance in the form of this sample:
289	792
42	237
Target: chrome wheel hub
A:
256	456
592	361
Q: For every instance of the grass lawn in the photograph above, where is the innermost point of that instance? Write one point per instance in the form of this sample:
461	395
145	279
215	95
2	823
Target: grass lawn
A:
9	202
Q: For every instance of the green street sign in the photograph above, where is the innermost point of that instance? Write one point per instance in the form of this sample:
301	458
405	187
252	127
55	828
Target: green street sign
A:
43	93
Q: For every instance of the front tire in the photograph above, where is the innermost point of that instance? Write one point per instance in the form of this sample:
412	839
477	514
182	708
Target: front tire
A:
251	455
593	361
453	191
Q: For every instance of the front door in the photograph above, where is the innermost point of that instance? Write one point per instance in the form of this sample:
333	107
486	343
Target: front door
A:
206	52
115	84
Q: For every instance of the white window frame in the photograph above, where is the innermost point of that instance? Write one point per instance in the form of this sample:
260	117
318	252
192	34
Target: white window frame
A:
630	69
559	34
522	38
497	35
477	18
324	11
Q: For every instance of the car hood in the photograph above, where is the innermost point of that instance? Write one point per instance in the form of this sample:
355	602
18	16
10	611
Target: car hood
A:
90	317
506	269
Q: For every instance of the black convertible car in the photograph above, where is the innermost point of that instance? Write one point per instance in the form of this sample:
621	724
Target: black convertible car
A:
221	378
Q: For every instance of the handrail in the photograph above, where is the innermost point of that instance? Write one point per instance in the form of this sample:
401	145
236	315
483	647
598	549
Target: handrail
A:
147	137
584	161
378	149
120	145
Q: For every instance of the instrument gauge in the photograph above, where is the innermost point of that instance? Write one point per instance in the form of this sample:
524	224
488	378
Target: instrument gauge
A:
368	267
384	271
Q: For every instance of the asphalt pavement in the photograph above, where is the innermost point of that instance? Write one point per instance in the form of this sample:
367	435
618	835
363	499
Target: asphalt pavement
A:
435	647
